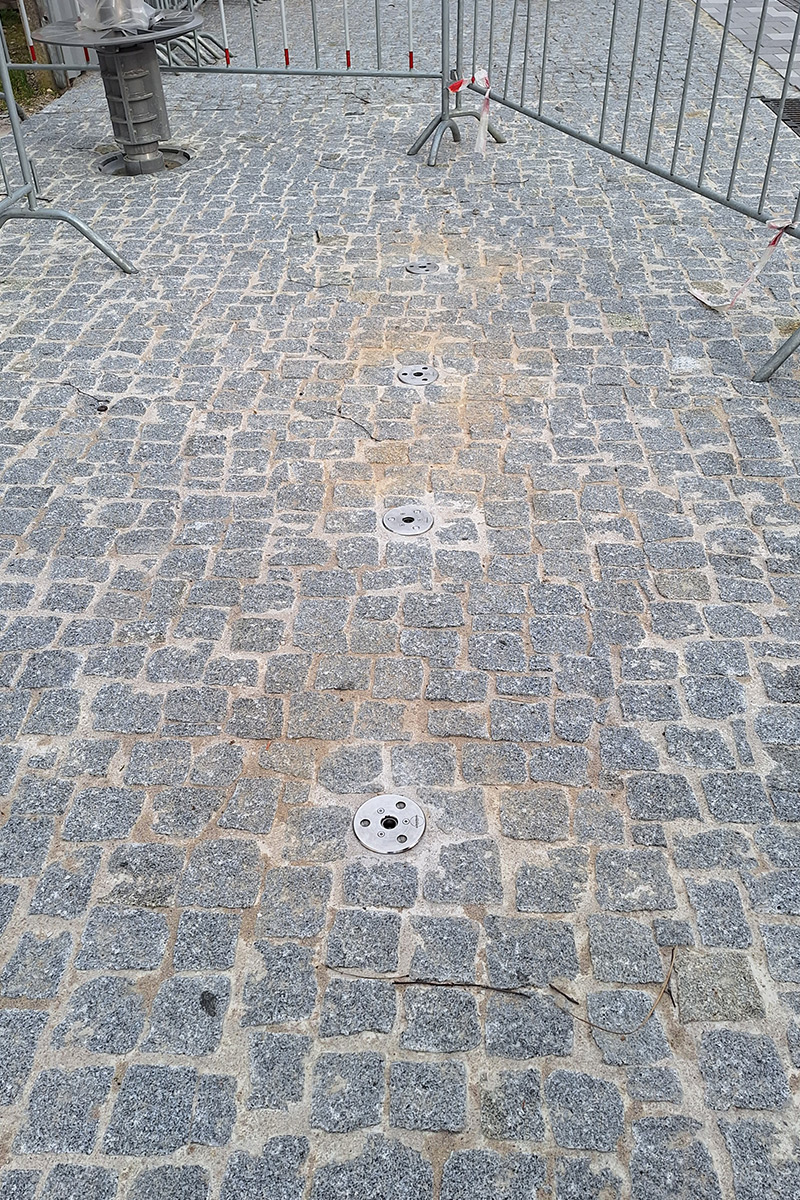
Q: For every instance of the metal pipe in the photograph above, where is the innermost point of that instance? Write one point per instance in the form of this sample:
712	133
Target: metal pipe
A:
474	39
445	58
489	66
14	197
410	36
256	56
312	72
510	48
346	14
779	115
26	28
379	37
745	111
634	57
763	374
714	94
526	53
315	33
545	38
459	41
686	77
224	32
657	87
611	41
16	131
285	34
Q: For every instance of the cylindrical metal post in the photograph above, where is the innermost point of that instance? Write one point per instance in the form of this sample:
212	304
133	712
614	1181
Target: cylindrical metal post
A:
136	104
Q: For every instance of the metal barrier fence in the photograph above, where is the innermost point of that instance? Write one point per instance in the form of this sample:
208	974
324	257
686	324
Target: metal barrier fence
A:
20	186
655	83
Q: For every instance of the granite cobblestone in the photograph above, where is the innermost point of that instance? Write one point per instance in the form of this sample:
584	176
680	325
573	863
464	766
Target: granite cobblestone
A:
212	652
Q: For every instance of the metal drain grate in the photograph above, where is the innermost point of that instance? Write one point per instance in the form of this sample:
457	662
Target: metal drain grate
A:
791	110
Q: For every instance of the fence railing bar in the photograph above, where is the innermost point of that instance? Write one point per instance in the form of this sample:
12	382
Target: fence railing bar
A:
325	73
346	14
285	34
657	86
606	89
410	35
379	36
748	96
224	27
510	49
460	41
795	215
4	175
474	37
685	90
712	108
779	115
631	81
256	55
526	52
489	66
545	39
13	198
315	32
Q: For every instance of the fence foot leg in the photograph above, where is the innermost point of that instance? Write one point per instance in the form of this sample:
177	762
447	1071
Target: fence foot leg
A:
494	132
416	146
60	214
763	374
436	140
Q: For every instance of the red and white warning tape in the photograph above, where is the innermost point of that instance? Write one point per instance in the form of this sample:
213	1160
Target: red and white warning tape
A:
481	78
780	228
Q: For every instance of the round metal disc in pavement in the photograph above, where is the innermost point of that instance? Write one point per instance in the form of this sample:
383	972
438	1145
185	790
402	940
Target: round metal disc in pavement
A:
408	520
389	824
417	376
424	266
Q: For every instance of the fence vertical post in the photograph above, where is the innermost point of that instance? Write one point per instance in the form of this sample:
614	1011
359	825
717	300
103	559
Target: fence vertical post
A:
445	59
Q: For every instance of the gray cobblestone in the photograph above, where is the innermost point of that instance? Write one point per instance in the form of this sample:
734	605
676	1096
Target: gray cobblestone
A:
623	951
287	990
212	650
63	1110
152	1111
741	1070
364	940
347	1091
585	1113
106	1015
352	1006
277	1069
431	1096
34	970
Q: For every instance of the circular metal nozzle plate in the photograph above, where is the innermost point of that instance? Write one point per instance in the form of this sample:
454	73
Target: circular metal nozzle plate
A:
423	266
389	824
416	376
407	520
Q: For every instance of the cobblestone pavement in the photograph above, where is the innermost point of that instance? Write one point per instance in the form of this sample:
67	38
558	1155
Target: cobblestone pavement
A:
212	652
776	41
